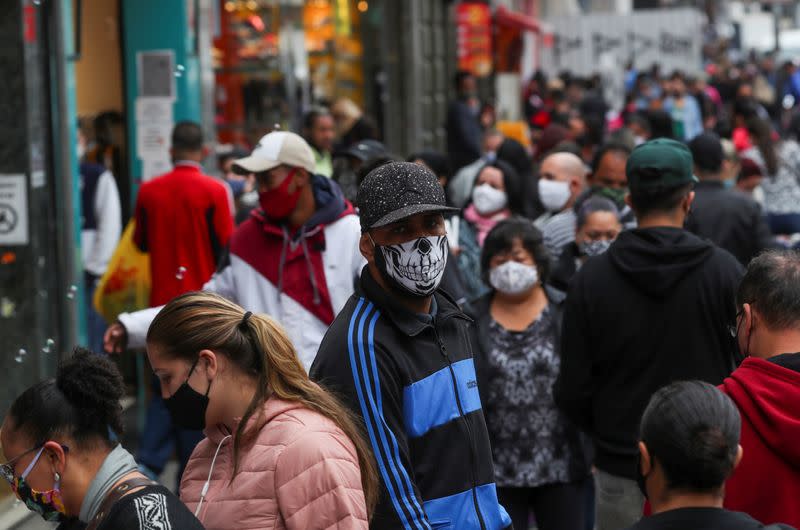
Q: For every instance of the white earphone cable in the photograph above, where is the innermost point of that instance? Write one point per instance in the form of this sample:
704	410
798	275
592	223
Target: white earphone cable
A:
208	480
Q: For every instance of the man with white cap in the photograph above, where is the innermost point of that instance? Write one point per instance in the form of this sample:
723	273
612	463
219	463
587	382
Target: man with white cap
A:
296	258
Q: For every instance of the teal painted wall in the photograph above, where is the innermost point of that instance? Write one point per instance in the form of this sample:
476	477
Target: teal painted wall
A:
71	117
159	25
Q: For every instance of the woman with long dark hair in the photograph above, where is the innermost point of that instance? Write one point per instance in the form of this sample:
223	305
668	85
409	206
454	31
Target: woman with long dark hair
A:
280	451
496	195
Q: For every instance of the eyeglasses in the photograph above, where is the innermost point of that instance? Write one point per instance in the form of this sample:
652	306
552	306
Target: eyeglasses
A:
733	329
7	469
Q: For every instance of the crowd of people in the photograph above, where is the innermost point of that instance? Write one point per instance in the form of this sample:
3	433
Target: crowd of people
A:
601	331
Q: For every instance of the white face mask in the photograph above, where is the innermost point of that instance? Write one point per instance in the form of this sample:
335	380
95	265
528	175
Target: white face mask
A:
416	266
513	277
488	199
554	194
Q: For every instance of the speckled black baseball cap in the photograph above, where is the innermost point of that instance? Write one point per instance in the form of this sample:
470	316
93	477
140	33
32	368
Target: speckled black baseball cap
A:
398	190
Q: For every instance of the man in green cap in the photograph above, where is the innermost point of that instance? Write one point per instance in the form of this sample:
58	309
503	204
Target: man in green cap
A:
656	308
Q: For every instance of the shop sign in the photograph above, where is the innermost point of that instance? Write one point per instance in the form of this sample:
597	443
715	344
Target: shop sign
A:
474	34
13	210
29	17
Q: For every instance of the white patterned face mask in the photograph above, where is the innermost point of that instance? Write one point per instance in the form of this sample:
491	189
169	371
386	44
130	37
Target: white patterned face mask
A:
416	266
594	248
513	277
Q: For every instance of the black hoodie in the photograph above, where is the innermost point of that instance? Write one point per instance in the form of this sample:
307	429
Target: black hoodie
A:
654	309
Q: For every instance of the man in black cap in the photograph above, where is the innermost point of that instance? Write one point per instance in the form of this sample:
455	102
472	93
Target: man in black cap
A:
351	165
655	308
728	218
399	355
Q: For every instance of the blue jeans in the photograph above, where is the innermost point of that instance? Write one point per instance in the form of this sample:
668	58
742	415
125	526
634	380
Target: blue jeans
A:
95	325
160	437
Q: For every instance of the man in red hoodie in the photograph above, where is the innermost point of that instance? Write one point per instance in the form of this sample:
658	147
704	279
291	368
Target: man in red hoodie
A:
766	390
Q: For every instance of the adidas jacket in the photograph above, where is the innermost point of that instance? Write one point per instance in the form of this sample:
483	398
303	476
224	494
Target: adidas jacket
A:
413	385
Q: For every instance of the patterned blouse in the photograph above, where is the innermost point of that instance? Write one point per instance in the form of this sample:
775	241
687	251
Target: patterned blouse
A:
532	442
782	190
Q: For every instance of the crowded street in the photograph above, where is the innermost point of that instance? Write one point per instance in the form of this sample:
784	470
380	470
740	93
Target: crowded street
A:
400	264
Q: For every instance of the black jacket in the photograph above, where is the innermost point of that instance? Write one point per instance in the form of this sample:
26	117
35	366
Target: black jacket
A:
464	133
411	380
730	219
703	519
654	309
565	267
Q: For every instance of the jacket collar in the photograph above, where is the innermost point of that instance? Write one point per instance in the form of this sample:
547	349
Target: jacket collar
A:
190	164
710	185
406	321
272	407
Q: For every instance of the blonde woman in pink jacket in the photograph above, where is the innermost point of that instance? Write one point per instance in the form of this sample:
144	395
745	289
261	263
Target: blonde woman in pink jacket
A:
280	452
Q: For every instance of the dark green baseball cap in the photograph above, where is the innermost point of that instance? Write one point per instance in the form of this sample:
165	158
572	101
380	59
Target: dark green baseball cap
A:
660	163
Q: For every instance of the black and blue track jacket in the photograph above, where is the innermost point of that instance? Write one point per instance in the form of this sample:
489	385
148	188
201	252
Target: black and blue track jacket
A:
413	384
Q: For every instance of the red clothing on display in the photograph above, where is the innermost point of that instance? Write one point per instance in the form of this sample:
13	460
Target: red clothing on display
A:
766	484
183	220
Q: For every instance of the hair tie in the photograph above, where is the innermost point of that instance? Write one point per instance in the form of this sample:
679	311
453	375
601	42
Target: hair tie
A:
245	318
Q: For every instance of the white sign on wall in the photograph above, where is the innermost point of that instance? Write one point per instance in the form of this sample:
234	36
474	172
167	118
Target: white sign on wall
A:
669	37
13	210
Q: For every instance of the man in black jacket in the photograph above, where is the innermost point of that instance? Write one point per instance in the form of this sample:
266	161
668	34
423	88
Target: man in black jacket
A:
464	131
655	308
399	356
727	217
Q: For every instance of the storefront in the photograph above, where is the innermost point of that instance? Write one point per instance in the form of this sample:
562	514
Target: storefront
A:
273	60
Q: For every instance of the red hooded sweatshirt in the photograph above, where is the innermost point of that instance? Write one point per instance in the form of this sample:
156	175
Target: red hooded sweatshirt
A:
766	484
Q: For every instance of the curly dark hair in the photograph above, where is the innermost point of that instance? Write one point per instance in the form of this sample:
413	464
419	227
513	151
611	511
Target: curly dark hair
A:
82	402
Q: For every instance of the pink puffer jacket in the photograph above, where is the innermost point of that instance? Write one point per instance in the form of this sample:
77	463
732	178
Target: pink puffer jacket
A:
300	472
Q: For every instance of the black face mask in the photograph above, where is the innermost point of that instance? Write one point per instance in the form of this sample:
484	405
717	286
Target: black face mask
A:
187	406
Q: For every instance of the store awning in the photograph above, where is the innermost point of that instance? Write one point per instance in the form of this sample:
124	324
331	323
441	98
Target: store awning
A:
516	20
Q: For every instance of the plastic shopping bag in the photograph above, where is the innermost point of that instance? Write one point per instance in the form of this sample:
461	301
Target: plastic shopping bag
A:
125	286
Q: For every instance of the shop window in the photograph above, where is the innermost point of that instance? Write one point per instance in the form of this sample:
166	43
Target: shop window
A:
273	59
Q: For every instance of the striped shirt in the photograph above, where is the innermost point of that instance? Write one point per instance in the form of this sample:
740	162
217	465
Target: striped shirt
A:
559	231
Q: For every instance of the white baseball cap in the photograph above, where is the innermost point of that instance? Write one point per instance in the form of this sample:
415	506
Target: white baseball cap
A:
275	149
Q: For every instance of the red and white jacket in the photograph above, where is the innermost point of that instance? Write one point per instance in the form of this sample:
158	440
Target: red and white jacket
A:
302	280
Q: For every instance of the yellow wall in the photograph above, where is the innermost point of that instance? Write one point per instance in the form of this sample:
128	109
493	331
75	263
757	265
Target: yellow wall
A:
99	71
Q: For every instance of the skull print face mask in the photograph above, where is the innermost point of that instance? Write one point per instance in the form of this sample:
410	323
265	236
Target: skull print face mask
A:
416	266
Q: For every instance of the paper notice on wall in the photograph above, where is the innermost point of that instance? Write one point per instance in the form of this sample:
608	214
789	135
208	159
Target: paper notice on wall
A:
154	123
154	110
153	127
13	210
153	140
155	70
153	167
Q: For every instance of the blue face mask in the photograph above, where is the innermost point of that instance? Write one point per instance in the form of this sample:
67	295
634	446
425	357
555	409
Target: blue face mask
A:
729	183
